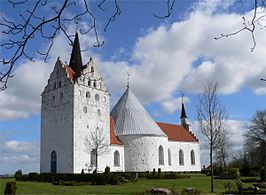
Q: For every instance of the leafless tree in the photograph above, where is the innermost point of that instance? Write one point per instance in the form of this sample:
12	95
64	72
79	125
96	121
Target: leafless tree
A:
211	119
222	147
256	135
250	25
96	144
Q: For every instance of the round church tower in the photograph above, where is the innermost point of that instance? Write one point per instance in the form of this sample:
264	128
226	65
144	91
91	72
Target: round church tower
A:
145	143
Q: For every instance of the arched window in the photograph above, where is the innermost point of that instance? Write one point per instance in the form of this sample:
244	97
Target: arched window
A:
85	109
192	157
94	84
99	112
92	69
97	97
169	158
181	157
88	95
53	162
161	156
93	157
116	159
80	92
61	96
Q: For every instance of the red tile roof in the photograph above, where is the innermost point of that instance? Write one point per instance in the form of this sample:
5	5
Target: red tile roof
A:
177	132
70	72
113	138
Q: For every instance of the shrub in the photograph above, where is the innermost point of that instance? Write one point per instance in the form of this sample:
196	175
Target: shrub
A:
18	173
230	173
262	174
107	170
34	177
10	188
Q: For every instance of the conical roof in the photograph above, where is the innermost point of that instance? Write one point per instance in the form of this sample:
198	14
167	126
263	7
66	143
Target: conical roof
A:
76	61
131	118
183	111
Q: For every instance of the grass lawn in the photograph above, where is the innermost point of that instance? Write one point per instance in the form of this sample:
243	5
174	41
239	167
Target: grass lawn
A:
200	182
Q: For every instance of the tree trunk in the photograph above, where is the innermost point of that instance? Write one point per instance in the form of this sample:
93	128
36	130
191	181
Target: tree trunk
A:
96	155
212	179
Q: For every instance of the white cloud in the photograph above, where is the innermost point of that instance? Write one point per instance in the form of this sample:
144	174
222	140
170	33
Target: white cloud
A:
164	63
19	155
237	130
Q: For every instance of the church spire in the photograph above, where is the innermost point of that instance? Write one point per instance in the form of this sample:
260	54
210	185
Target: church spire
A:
183	111
183	117
76	60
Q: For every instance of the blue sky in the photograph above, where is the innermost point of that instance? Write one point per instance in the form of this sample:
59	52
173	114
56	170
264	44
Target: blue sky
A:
164	58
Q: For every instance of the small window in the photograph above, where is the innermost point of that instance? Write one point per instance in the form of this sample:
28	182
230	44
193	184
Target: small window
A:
88	95
192	157
93	157
99	112
80	92
59	84
85	109
89	83
92	69
169	158
94	84
61	96
53	97
54	85
116	159
161	156
97	97
181	157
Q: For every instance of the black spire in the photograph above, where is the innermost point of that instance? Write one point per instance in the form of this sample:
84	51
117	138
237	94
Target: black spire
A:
76	60
183	111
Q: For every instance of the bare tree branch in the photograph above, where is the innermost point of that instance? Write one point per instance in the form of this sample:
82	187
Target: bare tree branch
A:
250	26
170	6
33	24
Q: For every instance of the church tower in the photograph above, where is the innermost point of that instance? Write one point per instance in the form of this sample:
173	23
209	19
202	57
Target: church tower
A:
75	103
183	117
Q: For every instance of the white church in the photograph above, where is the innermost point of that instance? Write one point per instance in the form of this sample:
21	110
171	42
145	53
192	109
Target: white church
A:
75	106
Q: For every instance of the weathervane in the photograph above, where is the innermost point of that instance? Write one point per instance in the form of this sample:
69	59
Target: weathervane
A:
128	79
77	23
182	97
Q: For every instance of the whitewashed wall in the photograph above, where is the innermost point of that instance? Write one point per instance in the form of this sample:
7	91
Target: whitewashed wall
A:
186	147
57	122
86	122
141	152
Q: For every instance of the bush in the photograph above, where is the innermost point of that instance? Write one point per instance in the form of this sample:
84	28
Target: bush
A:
34	177
10	188
262	174
18	174
169	175
230	173
107	170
